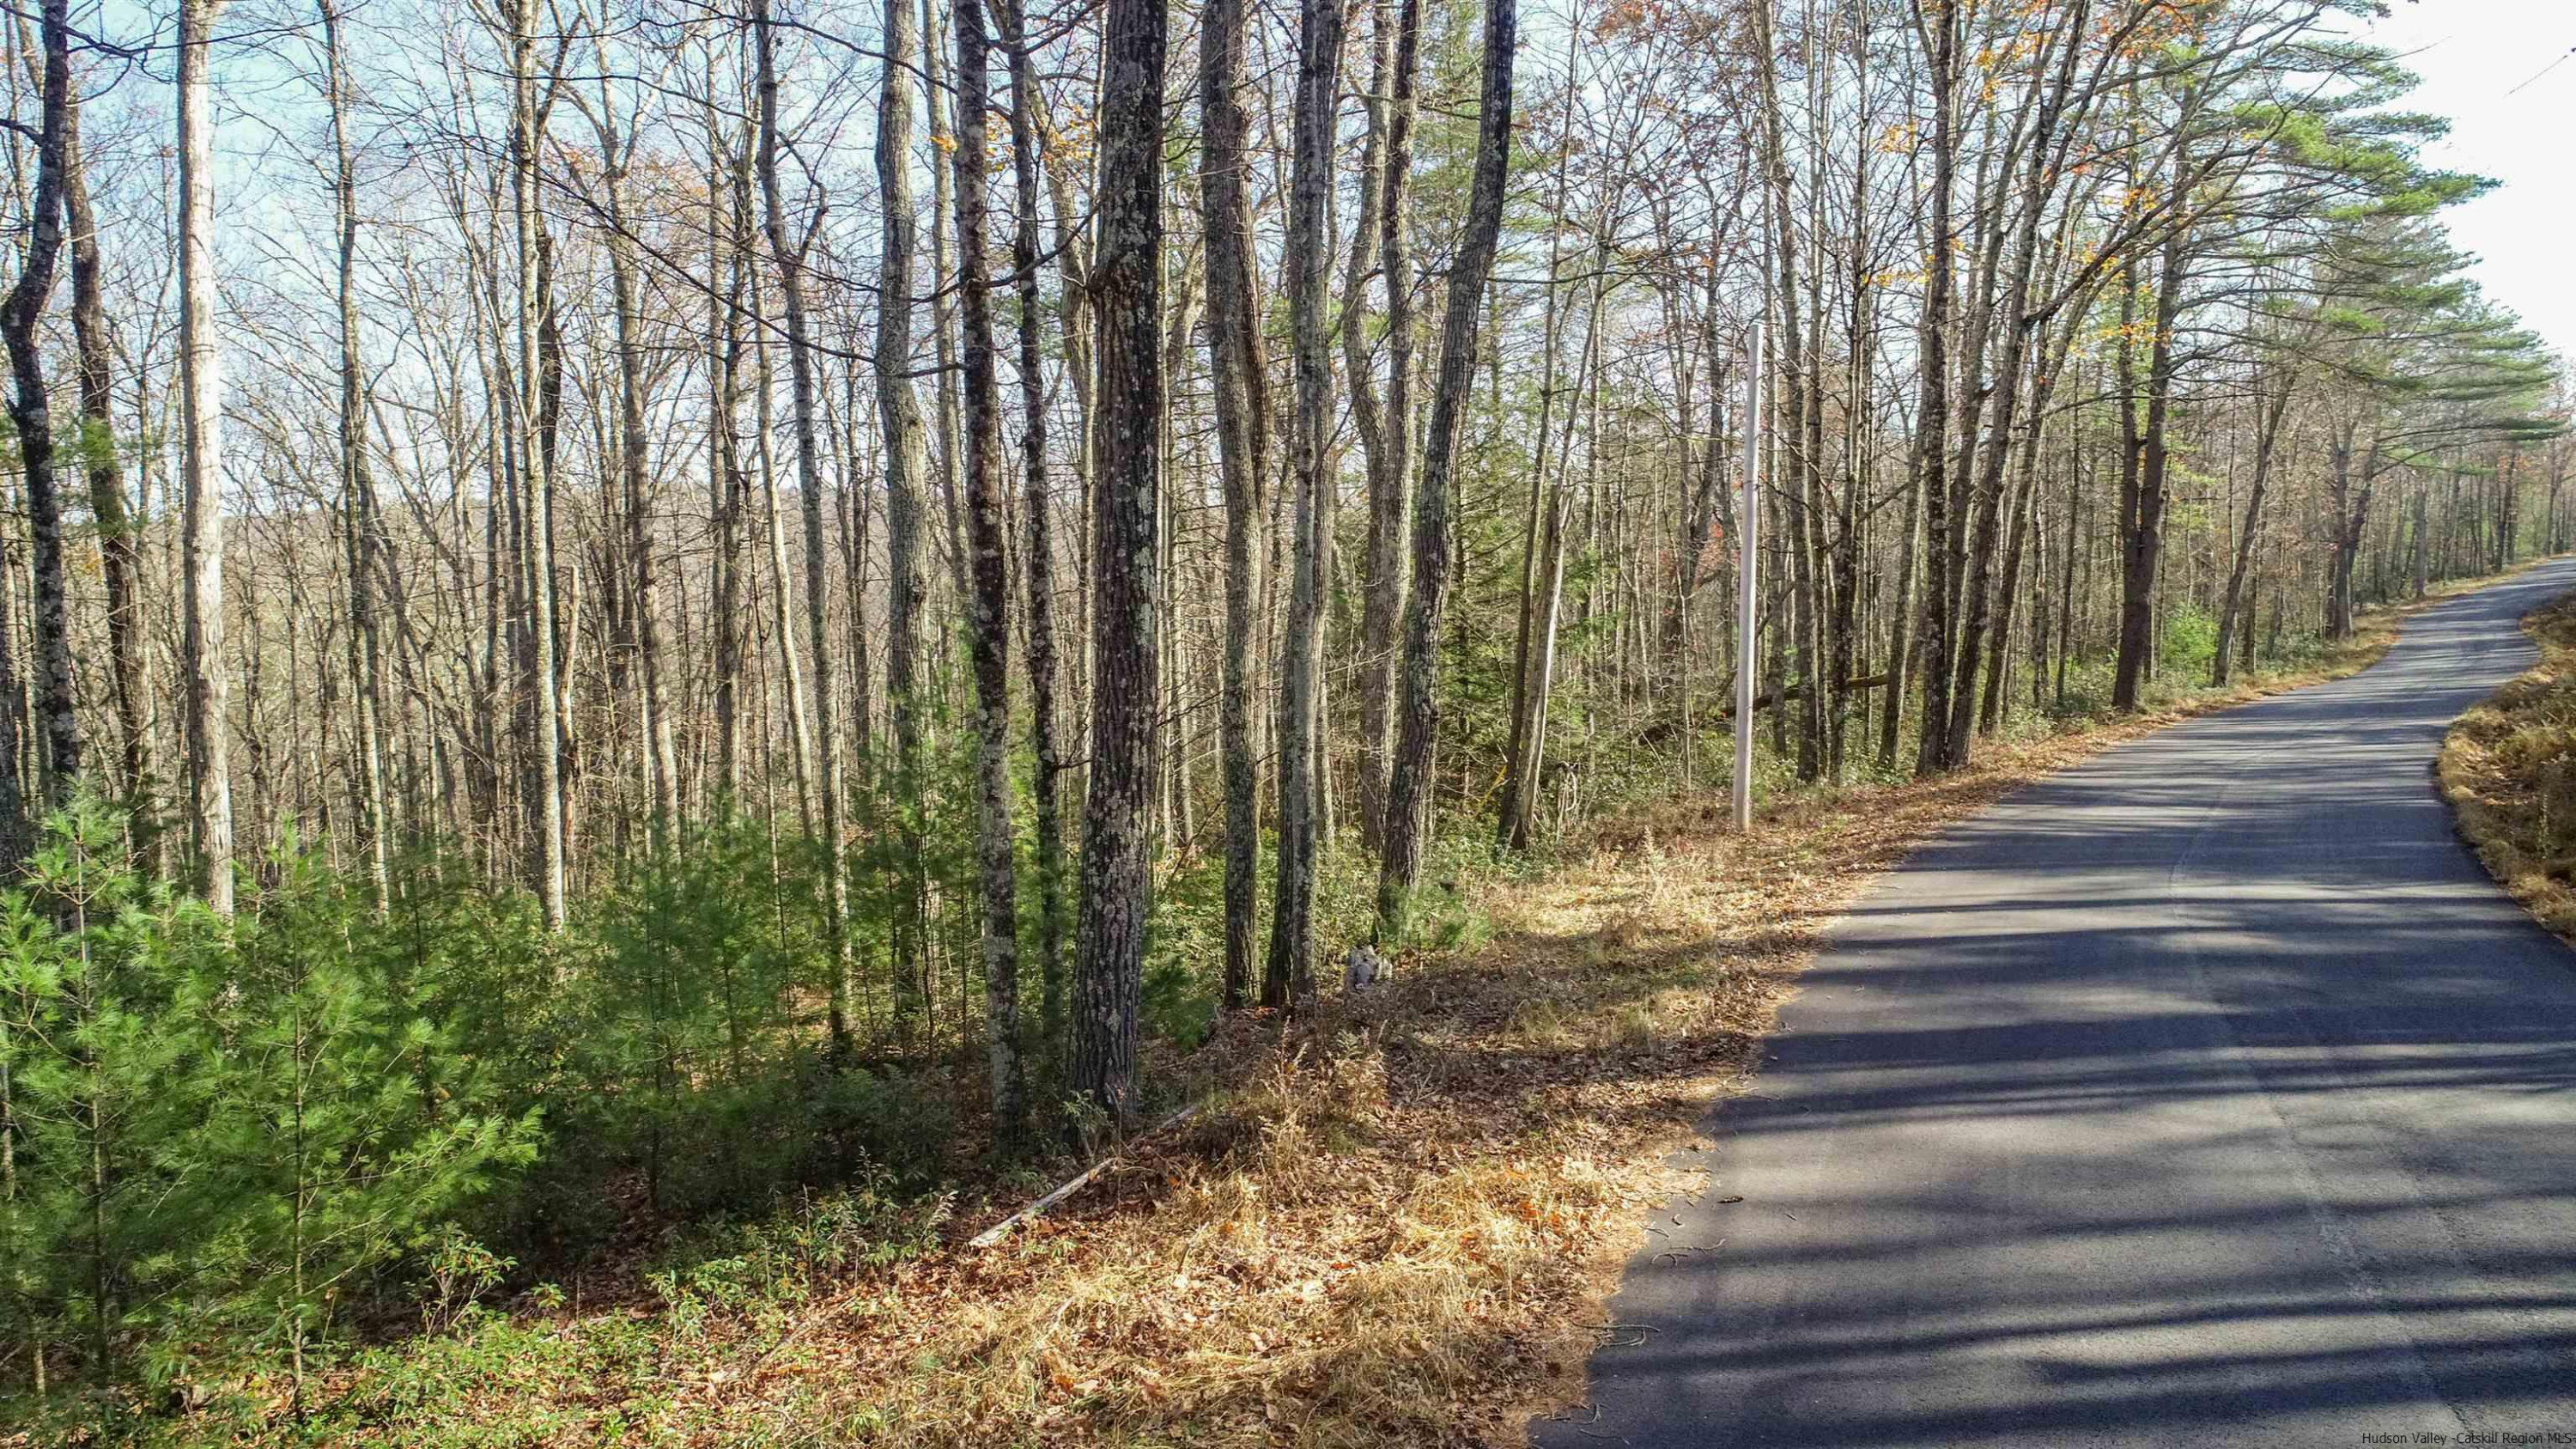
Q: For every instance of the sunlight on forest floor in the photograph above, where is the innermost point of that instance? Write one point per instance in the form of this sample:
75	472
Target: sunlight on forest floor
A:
1391	1222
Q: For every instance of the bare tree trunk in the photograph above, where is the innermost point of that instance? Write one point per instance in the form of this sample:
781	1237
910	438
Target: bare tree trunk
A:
2350	507
1243	447
1798	442
660	757
201	439
1523	768
1541	516
1986	490
357	486
2508	518
1391	456
2068	599
1180	326
943	305
987	535
1409	772
16	838
119	541
1117	848
788	253
1289	973
900	424
56	722
782	621
2233	608
1930	460
2024	509
1900	622
1039	567
1858	475
2143	502
1368	419
727	487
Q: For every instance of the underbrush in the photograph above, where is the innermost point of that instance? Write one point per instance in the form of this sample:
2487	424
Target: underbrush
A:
1388	1221
2508	768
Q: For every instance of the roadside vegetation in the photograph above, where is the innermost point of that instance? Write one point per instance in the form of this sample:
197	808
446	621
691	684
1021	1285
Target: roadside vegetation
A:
1390	1220
2509	770
657	660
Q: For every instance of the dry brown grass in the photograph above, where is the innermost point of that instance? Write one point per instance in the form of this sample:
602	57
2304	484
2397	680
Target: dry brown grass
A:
2509	770
1397	1229
1393	1221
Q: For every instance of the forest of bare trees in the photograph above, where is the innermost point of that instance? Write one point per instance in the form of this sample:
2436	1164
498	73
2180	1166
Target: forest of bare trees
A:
611	608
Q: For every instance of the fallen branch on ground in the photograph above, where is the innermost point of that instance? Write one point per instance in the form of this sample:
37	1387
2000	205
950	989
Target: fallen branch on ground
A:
1002	1229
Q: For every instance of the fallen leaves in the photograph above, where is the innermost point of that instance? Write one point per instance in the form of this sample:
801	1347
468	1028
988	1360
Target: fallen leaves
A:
1393	1221
2508	769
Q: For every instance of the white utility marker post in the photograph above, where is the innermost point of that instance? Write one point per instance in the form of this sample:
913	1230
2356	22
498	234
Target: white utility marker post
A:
1747	536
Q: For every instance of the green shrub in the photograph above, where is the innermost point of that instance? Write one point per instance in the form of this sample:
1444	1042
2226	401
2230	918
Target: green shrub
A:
223	1131
2188	639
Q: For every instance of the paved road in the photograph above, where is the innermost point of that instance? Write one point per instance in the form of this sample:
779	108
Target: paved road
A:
2208	1093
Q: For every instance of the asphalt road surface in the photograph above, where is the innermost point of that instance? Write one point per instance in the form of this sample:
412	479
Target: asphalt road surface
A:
2205	1094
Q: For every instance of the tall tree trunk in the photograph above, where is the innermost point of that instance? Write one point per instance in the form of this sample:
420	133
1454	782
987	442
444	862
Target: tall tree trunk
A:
1409	772
937	90
1929	461
120	544
1523	767
899	422
2069	598
1798	381
1985	491
2142	521
2233	609
1900	621
728	489
1540	516
360	535
2024	510
1126	291
1039	566
634	450
987	535
1857	474
1391	460
788	252
782	618
57	723
17	838
201	440
2508	519
1243	461
2350	507
1289	973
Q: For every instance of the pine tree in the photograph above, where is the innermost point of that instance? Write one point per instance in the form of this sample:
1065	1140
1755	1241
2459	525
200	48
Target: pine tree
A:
106	1173
331	1151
